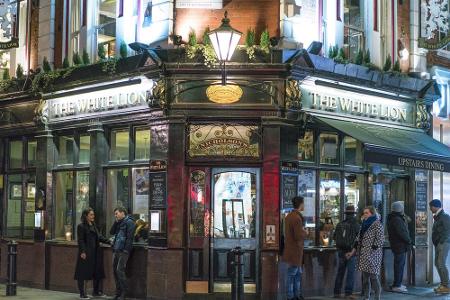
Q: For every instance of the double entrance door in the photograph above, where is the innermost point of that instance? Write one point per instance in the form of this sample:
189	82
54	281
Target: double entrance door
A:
223	213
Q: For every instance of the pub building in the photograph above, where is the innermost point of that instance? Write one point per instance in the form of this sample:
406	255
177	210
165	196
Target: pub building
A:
210	167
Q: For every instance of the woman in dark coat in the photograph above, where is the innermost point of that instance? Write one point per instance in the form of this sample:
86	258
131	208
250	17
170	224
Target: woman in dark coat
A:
90	256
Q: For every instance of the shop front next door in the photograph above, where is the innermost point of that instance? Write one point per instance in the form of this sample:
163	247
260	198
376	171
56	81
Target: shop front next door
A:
223	214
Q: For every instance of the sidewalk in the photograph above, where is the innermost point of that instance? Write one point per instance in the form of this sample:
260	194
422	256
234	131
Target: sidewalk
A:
35	294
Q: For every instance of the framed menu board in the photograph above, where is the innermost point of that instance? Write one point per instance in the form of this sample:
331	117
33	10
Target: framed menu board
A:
158	189
289	187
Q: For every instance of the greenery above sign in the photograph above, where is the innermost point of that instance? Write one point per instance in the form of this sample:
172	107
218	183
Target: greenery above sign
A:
335	101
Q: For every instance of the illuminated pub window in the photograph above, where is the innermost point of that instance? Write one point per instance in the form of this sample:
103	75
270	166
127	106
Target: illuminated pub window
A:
142	144
65	147
307	189
329	205
197	195
20	189
329	153
120	142
306	147
84	149
353	152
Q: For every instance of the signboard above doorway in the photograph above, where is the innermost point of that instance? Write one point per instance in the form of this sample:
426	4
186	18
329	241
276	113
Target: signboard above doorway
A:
208	4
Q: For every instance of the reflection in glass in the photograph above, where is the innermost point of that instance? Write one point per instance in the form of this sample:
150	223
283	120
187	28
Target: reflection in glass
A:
116	193
65	150
85	147
234	205
15	154
32	153
141	187
329	148
13	219
119	145
329	205
354	191
306	147
307	189
353	27
197	205
142	144
82	194
29	207
353	151
63	205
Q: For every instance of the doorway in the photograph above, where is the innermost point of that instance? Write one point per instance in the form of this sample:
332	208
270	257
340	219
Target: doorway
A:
223	214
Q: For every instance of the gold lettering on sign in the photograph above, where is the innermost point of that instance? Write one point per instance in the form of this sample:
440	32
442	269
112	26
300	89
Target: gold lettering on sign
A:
421	164
357	107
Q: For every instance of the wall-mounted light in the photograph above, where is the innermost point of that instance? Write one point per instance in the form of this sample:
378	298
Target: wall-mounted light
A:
224	40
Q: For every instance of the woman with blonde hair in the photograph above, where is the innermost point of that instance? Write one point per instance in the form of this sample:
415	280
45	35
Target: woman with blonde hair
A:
141	232
369	249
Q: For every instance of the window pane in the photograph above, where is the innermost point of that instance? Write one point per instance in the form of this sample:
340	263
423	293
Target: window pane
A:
63	205
329	205
197	204
116	193
107	26
354	191
14	205
306	147
15	154
329	148
120	140
65	150
82	194
234	205
353	151
307	189
85	146
32	153
29	207
141	187
142	144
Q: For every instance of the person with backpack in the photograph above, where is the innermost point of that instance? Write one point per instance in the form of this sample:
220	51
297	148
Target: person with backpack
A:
400	242
345	235
123	232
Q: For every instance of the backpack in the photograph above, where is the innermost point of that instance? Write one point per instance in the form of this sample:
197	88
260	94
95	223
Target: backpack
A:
345	235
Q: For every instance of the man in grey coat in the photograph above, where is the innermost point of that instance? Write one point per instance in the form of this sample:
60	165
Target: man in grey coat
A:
441	241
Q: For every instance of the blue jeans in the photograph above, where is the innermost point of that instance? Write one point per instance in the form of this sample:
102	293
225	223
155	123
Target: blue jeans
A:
440	260
344	265
399	266
293	284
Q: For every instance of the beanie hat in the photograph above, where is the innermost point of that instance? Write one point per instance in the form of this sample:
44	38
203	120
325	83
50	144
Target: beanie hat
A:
436	203
350	209
398	206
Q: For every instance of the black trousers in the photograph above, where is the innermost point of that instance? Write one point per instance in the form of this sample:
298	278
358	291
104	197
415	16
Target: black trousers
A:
97	286
120	260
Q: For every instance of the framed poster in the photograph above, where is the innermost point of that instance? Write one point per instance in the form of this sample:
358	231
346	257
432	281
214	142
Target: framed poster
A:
16	190
31	190
141	187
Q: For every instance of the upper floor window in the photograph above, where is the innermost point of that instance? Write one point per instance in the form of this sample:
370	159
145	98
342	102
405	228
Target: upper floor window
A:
353	27
106	22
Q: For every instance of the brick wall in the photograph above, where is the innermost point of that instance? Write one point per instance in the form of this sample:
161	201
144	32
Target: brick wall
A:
244	14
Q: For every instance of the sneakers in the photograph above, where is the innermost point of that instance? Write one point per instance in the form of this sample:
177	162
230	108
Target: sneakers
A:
399	289
99	295
441	289
83	296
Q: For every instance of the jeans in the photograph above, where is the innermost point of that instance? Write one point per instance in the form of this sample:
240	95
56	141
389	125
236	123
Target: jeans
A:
371	281
345	265
440	262
293	284
399	266
119	264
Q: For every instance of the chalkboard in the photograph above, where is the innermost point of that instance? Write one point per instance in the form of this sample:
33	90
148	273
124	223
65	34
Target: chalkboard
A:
289	184
157	189
421	196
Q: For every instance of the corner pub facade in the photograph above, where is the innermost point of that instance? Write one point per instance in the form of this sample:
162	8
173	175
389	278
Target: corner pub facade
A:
212	167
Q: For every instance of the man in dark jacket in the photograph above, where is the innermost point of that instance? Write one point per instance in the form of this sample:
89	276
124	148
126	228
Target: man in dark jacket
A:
123	231
441	241
345	236
295	235
400	242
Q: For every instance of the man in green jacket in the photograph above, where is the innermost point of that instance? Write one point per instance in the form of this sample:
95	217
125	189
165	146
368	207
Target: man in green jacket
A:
441	241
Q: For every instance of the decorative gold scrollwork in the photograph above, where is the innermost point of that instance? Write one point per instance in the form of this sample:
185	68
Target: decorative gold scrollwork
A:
41	112
423	117
293	95
158	94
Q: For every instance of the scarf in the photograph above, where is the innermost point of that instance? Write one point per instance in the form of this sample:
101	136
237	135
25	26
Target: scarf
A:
367	223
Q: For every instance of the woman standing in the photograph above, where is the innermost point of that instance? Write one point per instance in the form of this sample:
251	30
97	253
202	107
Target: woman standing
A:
90	256
369	248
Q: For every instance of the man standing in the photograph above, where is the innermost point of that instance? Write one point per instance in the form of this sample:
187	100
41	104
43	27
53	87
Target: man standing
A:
400	242
345	236
293	248
441	241
123	231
